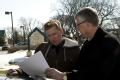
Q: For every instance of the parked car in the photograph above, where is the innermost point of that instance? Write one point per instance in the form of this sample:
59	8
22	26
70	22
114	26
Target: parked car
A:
4	48
22	43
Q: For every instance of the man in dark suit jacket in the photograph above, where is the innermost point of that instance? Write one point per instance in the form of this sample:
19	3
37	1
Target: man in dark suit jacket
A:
99	56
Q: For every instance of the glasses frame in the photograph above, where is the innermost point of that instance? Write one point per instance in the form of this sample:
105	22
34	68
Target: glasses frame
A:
77	26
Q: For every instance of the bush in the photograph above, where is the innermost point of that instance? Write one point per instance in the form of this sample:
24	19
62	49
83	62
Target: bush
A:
4	48
13	49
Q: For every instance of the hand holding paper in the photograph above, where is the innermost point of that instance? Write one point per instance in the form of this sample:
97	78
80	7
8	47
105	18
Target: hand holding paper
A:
35	65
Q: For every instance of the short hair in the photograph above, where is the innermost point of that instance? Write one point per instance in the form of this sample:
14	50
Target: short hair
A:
89	14
52	23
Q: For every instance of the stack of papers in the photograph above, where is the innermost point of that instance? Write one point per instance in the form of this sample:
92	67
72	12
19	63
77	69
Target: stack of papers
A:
35	65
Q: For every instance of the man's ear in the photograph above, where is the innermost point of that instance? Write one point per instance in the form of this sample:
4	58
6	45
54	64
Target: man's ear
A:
62	31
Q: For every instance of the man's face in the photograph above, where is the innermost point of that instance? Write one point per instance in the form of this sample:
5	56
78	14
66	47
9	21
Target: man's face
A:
81	26
54	35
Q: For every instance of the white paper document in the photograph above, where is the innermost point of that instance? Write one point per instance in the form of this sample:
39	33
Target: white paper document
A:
35	65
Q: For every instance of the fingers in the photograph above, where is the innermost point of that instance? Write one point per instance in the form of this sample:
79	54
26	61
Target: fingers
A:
12	72
54	74
49	72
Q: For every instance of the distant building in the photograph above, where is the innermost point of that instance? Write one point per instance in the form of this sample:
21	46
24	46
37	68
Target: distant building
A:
36	37
2	33
3	38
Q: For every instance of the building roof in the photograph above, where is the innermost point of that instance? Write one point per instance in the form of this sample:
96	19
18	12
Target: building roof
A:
36	29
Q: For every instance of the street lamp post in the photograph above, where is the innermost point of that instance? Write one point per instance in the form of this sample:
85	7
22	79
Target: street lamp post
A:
23	27
7	13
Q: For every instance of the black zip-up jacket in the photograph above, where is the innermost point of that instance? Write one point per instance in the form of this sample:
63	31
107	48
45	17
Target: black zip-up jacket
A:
99	59
63	56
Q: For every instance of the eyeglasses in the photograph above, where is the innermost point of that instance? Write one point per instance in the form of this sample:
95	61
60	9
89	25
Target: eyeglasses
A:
77	26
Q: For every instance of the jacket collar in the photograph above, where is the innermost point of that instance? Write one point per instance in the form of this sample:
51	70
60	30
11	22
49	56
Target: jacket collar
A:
70	42
66	42
99	33
59	45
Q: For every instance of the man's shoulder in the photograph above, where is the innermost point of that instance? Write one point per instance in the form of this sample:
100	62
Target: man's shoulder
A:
111	37
107	37
70	42
44	44
41	46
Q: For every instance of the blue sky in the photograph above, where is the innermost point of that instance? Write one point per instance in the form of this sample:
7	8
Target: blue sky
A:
38	9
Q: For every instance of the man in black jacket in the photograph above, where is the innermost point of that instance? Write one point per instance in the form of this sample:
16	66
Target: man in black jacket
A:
60	52
99	56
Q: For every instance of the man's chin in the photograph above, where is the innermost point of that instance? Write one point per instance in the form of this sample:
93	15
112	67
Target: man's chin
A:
55	44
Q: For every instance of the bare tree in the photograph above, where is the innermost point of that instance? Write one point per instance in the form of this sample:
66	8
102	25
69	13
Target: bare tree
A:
9	32
28	24
106	10
116	23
